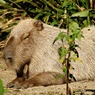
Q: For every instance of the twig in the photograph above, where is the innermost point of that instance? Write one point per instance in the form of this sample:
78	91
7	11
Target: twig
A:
10	21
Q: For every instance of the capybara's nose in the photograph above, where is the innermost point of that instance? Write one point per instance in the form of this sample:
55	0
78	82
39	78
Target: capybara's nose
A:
8	60
7	57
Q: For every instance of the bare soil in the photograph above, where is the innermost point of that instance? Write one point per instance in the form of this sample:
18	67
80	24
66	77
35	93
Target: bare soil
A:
86	87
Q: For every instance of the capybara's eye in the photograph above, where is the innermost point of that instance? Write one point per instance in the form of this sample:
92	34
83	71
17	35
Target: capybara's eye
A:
25	36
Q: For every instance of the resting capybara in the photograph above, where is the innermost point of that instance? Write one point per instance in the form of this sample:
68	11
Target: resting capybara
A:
29	51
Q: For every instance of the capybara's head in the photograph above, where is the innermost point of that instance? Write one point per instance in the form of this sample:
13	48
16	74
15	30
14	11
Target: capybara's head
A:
18	48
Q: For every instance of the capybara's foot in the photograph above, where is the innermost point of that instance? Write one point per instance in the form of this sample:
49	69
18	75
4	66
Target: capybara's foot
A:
10	85
16	83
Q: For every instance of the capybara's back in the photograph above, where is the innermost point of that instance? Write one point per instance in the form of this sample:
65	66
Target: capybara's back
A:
31	43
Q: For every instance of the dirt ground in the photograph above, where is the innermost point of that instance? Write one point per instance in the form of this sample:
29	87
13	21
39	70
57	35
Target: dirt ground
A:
78	88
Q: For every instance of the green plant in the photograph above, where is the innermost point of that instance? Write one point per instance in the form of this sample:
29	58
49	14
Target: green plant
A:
2	89
69	39
49	11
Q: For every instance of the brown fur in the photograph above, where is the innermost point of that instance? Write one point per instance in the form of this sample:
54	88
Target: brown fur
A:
31	53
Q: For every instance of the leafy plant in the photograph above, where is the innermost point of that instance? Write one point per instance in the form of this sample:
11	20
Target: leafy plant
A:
68	39
49	11
2	89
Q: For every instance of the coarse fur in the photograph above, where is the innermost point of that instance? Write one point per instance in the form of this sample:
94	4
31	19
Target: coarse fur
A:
30	46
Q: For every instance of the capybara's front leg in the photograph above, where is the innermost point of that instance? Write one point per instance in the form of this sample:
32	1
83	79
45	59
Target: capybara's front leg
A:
43	79
22	75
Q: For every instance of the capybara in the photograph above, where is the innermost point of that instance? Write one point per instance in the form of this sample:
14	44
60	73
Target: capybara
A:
29	51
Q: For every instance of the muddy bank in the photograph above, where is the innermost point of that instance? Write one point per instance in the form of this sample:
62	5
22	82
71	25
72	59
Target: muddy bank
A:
79	88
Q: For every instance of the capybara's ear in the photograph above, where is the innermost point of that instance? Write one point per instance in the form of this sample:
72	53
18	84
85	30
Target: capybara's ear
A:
38	25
